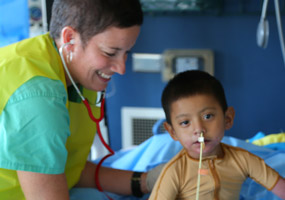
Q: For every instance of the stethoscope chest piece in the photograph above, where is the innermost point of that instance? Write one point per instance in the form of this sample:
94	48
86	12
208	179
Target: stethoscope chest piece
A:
262	33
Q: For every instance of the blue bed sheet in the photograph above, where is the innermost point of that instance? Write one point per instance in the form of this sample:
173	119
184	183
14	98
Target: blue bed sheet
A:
14	21
160	148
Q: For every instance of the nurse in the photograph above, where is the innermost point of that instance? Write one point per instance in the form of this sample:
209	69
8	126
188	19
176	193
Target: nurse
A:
45	130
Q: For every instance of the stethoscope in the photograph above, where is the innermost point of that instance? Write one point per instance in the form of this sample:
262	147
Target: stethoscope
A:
262	33
87	105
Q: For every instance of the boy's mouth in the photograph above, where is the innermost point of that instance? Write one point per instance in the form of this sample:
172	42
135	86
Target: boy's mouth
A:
205	141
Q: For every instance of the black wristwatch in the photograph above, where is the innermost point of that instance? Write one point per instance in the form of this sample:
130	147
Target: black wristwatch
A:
136	184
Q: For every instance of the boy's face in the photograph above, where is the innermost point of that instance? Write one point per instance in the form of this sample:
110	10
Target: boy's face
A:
193	114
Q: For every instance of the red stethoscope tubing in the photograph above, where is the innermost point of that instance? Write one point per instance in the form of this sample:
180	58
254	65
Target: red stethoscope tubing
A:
97	121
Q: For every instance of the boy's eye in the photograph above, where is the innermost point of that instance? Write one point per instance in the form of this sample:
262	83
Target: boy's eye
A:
208	116
184	123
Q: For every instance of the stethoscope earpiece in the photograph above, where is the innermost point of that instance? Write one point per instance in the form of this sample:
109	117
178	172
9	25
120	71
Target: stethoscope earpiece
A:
71	41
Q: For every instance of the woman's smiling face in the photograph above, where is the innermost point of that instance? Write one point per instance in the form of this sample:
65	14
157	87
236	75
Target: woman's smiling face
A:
104	55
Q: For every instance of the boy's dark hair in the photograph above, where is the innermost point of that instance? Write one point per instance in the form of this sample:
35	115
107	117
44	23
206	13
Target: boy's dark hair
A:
191	83
90	17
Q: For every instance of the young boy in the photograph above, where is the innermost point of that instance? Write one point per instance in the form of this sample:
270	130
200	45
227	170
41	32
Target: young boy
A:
194	102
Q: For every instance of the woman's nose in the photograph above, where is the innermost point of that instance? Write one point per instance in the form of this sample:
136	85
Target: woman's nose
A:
119	67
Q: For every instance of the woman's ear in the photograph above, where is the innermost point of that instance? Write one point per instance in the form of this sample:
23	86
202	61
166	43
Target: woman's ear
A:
68	34
170	130
229	118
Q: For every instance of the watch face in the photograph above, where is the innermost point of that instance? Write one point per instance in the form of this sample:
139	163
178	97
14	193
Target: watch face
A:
35	13
38	23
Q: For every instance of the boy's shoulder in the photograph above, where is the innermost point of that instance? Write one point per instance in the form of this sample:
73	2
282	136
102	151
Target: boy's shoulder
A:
180	159
233	148
238	152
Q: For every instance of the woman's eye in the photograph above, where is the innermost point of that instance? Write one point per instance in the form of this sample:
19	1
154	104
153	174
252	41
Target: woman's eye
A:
110	54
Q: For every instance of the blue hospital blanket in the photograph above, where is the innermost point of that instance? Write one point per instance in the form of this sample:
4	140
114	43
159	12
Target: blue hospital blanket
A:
160	148
14	21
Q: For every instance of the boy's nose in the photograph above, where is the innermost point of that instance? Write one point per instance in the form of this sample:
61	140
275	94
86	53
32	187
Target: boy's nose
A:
198	132
199	128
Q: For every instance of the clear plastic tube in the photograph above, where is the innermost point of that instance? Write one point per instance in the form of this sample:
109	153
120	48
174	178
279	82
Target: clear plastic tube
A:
202	145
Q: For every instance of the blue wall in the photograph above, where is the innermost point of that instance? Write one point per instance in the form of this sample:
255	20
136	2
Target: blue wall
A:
253	78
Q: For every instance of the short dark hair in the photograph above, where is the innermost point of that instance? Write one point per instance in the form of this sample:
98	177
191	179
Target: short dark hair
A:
190	83
90	17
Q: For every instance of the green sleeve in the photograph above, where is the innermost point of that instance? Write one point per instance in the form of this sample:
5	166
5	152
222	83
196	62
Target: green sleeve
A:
34	128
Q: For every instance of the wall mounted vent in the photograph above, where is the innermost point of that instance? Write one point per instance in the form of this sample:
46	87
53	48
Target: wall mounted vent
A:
137	123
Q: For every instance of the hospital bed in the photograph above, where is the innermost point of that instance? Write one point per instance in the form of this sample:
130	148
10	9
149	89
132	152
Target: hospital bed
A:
160	148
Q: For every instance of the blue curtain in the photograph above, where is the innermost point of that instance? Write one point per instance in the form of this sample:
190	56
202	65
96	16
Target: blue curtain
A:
14	21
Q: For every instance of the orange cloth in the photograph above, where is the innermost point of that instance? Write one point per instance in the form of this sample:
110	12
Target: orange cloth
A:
178	179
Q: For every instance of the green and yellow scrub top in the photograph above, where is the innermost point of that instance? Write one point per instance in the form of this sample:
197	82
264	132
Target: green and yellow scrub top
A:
43	128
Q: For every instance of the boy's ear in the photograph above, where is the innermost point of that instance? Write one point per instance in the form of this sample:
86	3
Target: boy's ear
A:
229	118
170	130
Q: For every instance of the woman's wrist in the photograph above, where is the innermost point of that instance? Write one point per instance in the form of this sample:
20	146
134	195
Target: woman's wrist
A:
138	184
143	183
